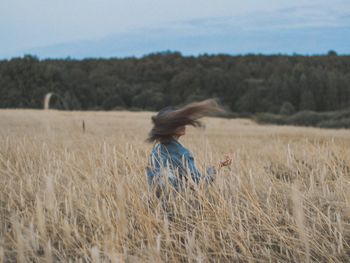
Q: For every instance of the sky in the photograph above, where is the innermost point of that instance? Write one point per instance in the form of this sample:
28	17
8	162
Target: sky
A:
115	28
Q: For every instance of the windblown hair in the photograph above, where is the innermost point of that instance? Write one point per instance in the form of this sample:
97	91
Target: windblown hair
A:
169	119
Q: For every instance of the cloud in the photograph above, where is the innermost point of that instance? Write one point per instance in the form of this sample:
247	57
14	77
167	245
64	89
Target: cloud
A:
305	29
296	17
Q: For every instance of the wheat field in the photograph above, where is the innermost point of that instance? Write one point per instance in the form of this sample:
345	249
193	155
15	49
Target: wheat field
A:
69	195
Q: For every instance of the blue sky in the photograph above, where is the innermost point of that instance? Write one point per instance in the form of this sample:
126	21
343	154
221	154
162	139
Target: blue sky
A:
113	28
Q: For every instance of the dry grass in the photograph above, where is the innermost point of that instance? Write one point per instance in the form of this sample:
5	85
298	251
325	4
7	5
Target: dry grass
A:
68	195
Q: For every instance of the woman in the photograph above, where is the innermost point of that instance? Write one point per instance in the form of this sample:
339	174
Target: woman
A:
170	160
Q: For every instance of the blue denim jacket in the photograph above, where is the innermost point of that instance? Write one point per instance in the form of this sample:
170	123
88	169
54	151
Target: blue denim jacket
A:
177	163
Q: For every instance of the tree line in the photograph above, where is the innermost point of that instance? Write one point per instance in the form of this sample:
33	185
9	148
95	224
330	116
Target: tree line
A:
244	84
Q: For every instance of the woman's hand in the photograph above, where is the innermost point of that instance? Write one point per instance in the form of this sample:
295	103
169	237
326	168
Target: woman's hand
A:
226	162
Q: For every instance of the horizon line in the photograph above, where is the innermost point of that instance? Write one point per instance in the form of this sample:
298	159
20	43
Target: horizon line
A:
330	52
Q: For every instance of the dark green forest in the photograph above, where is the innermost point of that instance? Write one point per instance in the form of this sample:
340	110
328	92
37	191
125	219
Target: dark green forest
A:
248	84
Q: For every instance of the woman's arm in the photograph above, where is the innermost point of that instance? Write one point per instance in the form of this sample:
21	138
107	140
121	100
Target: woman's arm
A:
211	170
191	167
196	174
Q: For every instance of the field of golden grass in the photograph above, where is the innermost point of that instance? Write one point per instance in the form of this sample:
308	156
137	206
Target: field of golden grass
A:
68	195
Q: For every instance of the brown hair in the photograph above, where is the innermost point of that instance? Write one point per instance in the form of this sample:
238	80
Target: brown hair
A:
170	118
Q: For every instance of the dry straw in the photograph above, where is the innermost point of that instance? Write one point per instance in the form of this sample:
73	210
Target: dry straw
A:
67	196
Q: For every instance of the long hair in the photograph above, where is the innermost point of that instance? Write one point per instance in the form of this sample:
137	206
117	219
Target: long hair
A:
170	118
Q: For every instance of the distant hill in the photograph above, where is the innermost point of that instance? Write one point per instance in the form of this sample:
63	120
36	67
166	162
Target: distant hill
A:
233	41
